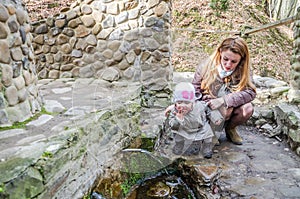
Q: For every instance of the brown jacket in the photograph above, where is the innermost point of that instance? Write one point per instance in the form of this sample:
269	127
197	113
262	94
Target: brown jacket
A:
221	89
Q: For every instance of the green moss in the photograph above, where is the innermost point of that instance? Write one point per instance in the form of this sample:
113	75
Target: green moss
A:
131	180
22	125
147	143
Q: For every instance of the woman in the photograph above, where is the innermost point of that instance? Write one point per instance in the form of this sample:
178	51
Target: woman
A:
224	82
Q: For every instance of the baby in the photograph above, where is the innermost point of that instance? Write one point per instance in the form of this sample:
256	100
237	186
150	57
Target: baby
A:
188	122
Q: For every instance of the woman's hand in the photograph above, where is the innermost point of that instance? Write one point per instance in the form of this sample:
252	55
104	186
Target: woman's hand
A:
206	98
216	103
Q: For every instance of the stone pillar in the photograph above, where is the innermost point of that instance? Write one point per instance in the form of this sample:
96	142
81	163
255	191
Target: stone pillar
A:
294	92
19	96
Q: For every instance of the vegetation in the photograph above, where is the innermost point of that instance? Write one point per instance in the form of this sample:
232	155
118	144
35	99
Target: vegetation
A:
130	181
47	154
219	5
199	25
22	125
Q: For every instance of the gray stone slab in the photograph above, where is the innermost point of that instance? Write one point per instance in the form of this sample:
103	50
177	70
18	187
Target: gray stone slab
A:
290	192
61	90
74	111
11	133
22	156
31	139
53	106
43	119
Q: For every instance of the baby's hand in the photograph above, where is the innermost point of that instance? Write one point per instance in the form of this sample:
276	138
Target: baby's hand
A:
168	109
181	111
180	114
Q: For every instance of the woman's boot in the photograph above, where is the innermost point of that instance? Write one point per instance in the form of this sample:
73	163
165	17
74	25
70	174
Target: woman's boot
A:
233	136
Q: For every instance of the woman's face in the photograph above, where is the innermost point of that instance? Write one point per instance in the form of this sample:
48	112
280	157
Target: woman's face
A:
229	60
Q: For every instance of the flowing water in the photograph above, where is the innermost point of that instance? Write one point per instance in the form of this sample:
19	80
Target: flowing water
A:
163	186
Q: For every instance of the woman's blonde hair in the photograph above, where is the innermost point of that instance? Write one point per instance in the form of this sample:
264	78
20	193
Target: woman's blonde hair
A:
242	71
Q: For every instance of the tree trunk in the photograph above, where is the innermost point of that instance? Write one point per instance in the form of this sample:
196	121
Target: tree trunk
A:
280	9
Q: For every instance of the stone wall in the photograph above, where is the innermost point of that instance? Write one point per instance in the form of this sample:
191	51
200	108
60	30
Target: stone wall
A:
19	96
111	40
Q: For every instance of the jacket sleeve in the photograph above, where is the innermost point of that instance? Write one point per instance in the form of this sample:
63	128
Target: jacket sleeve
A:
239	98
173	122
198	76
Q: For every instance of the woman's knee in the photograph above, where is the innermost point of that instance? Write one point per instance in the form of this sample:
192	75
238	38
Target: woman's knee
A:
245	110
249	109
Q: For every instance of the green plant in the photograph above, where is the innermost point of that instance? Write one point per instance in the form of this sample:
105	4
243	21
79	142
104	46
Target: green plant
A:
87	196
219	6
47	154
2	189
132	179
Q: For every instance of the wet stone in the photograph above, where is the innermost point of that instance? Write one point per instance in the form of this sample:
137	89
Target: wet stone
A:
207	173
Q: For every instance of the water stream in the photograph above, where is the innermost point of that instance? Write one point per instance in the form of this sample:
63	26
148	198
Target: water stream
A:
147	175
162	186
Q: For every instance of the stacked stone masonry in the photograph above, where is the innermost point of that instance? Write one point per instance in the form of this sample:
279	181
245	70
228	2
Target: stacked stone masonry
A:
19	96
112	40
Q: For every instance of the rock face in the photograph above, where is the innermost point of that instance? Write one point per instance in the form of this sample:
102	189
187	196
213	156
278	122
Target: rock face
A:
19	97
60	155
110	40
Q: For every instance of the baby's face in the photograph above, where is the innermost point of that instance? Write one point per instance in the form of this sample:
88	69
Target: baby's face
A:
183	105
